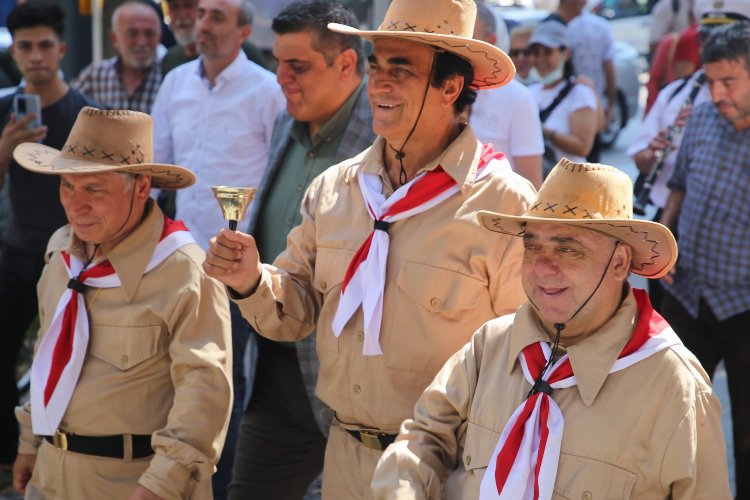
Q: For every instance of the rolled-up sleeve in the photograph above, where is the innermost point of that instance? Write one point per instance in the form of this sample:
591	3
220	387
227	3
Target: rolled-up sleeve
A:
427	449
190	443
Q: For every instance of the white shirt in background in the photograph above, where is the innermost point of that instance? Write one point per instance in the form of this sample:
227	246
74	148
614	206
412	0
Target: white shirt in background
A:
579	97
221	133
663	114
508	118
592	44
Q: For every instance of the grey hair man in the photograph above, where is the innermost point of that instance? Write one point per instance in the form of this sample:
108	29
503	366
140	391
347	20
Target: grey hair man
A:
131	79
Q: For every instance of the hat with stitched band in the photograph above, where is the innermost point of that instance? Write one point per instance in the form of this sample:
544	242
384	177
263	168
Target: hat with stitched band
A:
598	197
447	25
105	141
712	13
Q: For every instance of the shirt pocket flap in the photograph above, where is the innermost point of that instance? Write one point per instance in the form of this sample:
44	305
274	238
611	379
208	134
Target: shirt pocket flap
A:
588	479
330	268
479	445
124	346
437	289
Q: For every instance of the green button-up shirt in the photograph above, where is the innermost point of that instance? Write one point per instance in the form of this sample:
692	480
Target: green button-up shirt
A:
306	158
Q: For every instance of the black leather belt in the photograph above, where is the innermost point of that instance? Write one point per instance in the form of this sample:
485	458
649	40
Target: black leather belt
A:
102	446
373	440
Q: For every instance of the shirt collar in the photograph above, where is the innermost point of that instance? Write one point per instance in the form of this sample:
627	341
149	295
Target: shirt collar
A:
131	256
334	127
460	160
231	72
591	358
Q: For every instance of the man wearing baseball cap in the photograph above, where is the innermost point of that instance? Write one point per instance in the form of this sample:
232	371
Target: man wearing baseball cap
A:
585	392
389	263
131	380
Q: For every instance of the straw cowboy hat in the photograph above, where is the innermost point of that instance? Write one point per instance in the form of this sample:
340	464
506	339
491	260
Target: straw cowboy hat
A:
447	25
597	197
105	141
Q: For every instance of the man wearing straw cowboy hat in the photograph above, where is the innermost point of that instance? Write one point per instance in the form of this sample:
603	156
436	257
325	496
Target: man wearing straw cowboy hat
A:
389	263
131	379
585	392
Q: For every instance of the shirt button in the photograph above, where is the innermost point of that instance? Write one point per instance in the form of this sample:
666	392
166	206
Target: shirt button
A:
311	154
124	360
323	285
299	188
289	222
360	336
586	495
468	460
357	388
435	302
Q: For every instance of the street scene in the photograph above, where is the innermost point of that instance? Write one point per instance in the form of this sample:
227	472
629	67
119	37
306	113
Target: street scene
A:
374	249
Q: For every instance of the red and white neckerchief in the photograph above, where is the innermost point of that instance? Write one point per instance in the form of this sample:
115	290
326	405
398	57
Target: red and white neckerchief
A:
59	359
524	463
364	282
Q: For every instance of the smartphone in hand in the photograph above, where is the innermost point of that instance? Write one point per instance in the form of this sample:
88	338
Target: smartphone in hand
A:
26	104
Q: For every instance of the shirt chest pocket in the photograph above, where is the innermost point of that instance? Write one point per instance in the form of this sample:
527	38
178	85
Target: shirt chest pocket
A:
432	317
124	347
330	268
478	448
580	478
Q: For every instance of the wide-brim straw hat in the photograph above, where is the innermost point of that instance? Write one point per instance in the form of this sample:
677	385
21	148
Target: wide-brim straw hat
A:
597	197
447	25
105	141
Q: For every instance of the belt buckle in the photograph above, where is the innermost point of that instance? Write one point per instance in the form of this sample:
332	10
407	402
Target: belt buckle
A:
370	440
60	440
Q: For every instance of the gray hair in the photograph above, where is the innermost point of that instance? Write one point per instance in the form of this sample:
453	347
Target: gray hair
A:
133	4
488	18
247	13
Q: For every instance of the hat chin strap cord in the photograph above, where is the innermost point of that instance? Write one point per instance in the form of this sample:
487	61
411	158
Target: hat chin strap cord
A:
541	385
400	151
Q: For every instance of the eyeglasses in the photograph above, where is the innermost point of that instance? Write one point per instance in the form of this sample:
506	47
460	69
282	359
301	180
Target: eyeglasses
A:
515	53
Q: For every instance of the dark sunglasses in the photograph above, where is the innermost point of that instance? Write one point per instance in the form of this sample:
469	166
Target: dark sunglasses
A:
513	53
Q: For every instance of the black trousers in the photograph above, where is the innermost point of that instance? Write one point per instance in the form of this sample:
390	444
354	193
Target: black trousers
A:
275	460
19	273
711	341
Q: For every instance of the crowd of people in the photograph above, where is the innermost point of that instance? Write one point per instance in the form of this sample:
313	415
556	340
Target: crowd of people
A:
428	297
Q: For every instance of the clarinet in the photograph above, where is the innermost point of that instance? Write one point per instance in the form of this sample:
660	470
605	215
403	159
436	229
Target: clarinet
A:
643	196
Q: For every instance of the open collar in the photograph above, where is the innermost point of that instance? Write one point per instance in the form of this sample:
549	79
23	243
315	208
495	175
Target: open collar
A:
593	357
460	160
131	256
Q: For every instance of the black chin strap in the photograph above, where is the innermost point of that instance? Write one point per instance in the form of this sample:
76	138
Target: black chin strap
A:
400	151
541	385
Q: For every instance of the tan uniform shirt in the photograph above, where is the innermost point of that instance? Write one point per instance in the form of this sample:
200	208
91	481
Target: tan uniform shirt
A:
445	276
650	431
157	363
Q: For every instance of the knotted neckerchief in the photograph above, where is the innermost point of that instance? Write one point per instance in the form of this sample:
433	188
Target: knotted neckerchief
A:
524	463
364	282
62	351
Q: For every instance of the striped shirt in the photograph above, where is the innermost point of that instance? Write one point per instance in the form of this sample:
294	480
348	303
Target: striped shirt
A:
102	82
713	168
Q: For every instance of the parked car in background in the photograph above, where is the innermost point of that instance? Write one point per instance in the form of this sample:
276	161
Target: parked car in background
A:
630	20
628	66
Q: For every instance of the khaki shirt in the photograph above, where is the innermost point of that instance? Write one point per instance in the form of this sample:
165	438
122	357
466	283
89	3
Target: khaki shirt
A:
158	357
652	430
446	275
